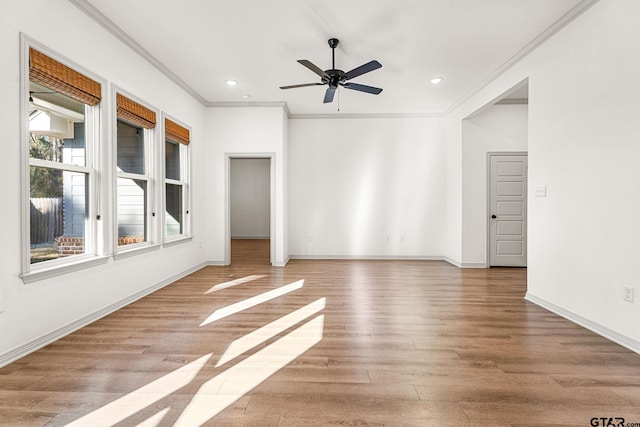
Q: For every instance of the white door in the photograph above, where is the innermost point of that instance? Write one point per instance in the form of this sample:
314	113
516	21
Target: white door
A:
508	210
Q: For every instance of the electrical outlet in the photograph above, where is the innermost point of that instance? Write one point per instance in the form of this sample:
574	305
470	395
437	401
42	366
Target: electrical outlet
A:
628	293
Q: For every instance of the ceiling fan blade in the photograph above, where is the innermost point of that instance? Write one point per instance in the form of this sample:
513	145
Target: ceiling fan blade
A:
369	66
328	96
363	88
310	65
302	85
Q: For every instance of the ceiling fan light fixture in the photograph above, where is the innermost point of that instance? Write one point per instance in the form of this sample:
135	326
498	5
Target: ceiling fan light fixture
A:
436	80
231	82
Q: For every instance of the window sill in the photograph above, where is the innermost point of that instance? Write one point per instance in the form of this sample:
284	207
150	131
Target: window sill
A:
60	269
129	252
177	241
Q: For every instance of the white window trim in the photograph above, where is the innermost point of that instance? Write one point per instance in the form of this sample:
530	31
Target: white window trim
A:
185	182
49	164
95	229
76	263
135	249
151	137
176	240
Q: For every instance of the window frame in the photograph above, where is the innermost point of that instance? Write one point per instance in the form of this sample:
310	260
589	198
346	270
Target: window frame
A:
94	116
150	138
184	182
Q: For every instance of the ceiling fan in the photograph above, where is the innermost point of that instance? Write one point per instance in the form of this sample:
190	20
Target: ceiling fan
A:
334	77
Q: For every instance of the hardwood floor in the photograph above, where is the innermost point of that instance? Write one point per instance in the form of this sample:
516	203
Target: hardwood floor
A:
250	251
412	343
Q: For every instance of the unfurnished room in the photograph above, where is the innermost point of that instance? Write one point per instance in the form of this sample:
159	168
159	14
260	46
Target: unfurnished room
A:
320	213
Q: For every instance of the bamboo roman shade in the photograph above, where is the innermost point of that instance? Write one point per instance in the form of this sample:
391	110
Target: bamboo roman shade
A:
134	113
53	75
175	132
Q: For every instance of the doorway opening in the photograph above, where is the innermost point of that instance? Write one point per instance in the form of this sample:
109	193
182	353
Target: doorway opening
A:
249	209
498	127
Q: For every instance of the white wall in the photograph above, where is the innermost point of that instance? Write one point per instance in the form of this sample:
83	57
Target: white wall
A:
285	190
244	131
365	188
37	310
497	128
586	146
250	198
451	136
355	182
583	145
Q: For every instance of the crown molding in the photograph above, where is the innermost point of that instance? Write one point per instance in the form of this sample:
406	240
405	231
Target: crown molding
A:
513	101
224	104
282	105
290	115
117	32
553	29
369	116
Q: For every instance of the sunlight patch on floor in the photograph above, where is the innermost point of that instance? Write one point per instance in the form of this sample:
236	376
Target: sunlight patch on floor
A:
270	330
252	302
224	389
301	332
145	396
154	420
235	282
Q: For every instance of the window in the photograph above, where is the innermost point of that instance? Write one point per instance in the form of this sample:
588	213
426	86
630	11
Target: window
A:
62	128
176	179
134	190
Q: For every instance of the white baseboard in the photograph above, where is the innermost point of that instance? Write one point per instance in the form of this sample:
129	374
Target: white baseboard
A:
603	331
28	348
282	263
395	257
370	257
223	264
465	264
452	261
474	265
250	238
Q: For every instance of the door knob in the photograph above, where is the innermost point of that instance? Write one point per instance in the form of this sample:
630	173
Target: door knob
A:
493	216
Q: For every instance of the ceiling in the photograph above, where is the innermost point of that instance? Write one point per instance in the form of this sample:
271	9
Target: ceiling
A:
202	43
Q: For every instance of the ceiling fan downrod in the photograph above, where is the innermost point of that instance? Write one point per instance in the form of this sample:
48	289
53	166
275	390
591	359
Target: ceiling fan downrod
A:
333	43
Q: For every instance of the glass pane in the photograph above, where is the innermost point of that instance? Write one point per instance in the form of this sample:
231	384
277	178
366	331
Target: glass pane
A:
56	125
132	211
130	148
58	213
173	214
172	160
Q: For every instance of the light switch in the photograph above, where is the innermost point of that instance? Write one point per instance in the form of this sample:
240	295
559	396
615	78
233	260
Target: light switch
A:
541	191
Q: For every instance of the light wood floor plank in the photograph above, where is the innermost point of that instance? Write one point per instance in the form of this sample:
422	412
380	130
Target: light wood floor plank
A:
386	343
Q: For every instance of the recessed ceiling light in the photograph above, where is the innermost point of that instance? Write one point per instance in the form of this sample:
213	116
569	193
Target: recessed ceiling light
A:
436	80
246	96
231	82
